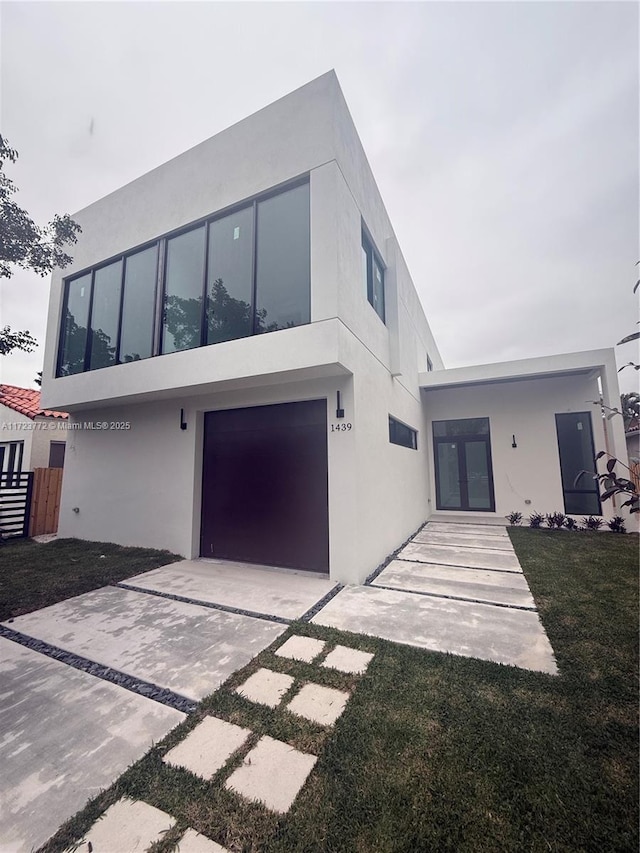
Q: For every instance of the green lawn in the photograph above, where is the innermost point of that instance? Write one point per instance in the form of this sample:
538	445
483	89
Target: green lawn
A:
34	575
442	753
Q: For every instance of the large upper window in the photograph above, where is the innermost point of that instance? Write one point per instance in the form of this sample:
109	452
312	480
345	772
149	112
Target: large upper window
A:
105	311
138	303
282	259
237	274
182	317
75	319
373	275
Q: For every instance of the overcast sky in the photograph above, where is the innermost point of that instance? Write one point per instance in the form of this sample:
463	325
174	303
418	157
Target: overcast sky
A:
503	137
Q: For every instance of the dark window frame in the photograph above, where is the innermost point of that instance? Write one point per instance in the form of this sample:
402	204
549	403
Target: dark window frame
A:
60	446
161	245
460	439
373	257
575	491
395	435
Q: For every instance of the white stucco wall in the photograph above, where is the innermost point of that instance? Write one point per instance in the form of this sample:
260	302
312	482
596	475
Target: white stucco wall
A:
142	486
252	156
526	478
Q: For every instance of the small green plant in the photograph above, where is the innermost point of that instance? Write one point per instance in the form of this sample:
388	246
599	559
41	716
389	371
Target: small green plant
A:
592	523
514	517
555	519
535	520
616	525
571	524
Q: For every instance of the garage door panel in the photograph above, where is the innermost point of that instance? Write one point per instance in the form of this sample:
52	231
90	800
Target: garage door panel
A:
265	492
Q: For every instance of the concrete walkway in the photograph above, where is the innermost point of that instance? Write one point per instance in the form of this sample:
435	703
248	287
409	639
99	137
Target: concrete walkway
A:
456	588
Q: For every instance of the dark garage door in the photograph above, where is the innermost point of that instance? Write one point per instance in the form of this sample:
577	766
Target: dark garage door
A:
264	486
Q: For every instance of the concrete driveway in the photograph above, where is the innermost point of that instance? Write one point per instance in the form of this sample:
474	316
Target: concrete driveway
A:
89	684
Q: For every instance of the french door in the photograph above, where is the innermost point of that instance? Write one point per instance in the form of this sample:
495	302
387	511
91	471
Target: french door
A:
464	477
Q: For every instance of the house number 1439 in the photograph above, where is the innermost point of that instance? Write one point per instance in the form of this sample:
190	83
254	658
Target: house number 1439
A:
340	427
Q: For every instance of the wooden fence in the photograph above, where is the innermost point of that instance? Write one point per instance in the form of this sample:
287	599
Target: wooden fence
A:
45	501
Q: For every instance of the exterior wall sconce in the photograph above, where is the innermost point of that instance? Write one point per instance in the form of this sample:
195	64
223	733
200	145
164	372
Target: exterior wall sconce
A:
513	441
339	409
183	423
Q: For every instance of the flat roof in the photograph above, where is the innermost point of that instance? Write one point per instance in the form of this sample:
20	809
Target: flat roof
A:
543	367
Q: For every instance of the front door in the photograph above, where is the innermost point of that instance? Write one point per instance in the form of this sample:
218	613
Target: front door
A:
265	486
464	477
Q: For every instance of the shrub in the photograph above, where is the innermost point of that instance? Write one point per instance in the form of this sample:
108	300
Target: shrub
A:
514	517
571	524
592	523
555	519
535	520
616	525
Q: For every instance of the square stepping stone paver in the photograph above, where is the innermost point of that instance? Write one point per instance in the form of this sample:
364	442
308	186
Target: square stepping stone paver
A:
301	648
266	687
207	748
272	773
126	825
348	660
319	704
193	842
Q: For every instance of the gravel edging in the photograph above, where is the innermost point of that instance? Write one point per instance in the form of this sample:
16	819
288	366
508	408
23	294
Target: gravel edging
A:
106	673
267	617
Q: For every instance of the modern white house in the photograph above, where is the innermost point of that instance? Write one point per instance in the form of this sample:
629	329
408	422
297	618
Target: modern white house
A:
250	375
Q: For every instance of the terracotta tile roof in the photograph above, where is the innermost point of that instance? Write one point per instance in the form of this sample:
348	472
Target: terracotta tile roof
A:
26	401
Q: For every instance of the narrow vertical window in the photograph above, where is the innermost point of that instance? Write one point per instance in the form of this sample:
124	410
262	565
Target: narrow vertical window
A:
229	277
138	304
373	275
73	342
283	261
577	452
183	291
429	365
105	310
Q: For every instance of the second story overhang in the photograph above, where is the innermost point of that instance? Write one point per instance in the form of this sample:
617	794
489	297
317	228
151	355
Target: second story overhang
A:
307	352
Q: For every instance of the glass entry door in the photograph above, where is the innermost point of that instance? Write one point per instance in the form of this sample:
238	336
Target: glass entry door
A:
464	478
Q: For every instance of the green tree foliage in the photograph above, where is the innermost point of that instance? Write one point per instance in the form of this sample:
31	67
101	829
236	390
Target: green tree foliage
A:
15	340
26	245
630	408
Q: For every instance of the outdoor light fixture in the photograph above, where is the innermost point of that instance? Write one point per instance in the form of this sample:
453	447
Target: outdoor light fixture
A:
513	442
339	409
183	423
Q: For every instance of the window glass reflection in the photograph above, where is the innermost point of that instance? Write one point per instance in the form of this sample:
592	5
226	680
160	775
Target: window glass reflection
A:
282	261
74	332
105	310
229	277
138	305
183	291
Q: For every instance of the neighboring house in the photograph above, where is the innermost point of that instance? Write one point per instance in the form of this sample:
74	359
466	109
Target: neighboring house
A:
632	436
30	437
250	374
